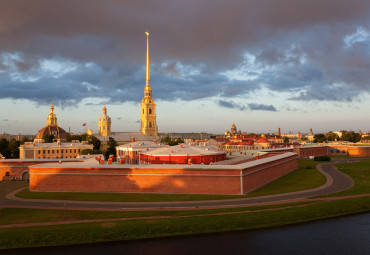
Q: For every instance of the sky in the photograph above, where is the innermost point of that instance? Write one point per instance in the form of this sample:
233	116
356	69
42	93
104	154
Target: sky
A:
261	64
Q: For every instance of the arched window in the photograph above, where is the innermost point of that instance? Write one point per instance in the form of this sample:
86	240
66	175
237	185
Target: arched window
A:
143	111
150	111
150	124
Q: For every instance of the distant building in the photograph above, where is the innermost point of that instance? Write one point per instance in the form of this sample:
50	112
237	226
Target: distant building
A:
310	136
183	154
57	150
131	152
105	123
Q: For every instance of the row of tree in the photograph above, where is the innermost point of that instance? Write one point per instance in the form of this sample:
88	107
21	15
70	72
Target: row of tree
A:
348	136
10	149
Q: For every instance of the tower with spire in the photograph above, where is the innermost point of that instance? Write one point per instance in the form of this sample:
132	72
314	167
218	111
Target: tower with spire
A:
52	118
51	128
105	123
148	117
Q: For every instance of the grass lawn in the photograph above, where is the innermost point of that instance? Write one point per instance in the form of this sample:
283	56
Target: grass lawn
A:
8	186
149	228
26	215
305	177
360	174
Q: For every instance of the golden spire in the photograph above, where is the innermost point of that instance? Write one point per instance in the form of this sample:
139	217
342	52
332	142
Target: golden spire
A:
147	59
52	118
51	107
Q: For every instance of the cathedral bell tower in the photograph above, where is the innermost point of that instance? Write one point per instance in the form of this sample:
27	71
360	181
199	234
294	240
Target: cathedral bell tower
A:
104	123
147	106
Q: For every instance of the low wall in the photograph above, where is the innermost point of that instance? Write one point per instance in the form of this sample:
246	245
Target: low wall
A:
182	179
262	174
306	152
352	151
15	169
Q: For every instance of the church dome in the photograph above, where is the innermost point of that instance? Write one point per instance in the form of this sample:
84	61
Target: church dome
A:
51	127
57	132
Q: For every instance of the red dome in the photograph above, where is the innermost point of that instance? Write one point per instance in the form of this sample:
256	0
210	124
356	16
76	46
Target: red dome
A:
57	132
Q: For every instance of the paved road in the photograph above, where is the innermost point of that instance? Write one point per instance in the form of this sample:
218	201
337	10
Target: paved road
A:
336	182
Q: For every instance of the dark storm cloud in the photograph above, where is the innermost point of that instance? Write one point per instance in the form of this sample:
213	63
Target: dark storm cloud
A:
262	107
231	105
298	46
251	106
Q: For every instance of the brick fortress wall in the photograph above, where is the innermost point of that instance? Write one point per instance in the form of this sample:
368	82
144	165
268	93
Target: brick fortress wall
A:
182	179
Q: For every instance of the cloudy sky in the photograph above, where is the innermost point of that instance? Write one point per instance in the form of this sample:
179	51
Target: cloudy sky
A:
263	64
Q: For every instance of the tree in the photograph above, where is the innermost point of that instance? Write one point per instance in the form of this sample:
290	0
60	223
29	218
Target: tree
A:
14	148
90	151
170	142
286	139
95	142
82	137
4	150
112	144
319	138
24	139
48	138
331	136
351	136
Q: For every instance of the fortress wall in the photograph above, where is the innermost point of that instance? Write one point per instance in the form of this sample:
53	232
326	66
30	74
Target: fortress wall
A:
181	179
263	174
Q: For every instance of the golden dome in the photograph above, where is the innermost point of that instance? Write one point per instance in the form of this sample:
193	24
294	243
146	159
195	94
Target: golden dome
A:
89	132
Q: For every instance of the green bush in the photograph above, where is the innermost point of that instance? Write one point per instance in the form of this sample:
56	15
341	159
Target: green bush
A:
322	158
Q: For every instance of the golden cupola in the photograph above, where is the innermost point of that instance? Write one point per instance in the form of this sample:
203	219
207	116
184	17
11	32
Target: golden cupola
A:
105	123
52	118
148	123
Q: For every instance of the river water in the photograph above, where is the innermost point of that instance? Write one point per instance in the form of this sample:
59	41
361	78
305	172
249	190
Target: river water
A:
345	235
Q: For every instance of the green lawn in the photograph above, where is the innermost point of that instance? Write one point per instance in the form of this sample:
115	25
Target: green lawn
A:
26	215
8	186
360	174
149	228
305	177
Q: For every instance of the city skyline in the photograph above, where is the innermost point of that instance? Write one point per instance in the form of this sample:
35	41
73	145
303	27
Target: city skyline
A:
296	65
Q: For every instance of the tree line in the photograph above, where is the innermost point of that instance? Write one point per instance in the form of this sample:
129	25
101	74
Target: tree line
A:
347	136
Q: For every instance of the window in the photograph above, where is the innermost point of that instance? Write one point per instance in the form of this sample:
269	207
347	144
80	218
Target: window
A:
39	152
7	174
150	111
52	151
150	124
48	151
143	111
61	150
103	127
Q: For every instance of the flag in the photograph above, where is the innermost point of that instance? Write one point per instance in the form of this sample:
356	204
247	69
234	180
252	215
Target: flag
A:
84	125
